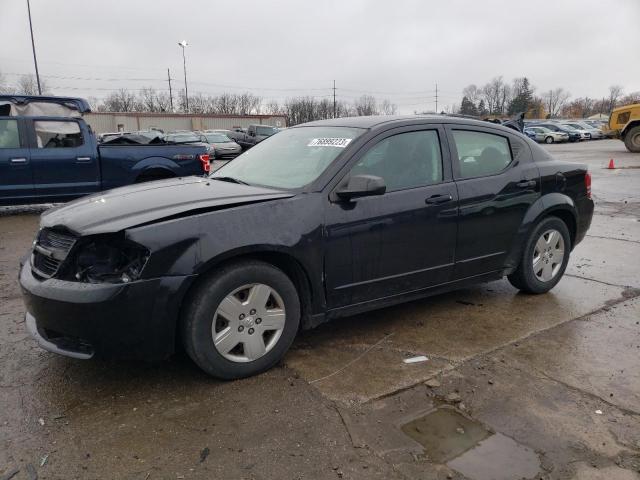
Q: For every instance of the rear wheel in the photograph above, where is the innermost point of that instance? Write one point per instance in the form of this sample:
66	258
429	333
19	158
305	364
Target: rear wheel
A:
154	175
548	140
632	139
544	258
242	320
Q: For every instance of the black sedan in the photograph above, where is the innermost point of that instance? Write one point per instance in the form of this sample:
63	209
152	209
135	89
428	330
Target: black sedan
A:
323	220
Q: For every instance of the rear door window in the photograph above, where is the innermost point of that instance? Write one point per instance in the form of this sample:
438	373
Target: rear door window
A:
481	154
9	135
58	134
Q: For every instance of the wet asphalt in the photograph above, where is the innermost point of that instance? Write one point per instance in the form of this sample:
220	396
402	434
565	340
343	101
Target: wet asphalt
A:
515	386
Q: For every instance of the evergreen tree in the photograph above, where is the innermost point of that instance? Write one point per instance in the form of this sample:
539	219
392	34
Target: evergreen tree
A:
482	109
467	107
522	98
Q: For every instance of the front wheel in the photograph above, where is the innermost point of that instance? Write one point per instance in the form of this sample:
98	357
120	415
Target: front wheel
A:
241	320
544	258
632	140
548	140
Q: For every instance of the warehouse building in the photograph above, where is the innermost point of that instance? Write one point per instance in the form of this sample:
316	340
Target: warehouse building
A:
132	121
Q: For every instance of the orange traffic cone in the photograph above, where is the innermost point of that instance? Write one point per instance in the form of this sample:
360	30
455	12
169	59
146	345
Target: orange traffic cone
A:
611	164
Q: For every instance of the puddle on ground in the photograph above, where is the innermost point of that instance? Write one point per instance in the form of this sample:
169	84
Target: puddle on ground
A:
445	433
497	458
469	448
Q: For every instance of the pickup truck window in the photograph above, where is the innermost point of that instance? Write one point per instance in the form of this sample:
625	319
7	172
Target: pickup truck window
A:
58	134
266	131
9	135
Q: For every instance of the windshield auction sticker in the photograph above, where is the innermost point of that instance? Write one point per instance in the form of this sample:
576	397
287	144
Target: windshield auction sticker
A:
329	142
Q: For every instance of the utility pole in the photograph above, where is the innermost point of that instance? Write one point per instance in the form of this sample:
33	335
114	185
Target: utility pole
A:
334	99
33	47
184	44
170	91
436	98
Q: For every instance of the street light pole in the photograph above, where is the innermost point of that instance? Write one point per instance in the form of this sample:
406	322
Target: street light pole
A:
184	44
33	46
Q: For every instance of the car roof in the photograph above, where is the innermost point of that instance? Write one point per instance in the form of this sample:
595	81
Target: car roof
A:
378	120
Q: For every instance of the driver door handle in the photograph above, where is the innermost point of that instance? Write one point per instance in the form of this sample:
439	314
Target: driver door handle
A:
438	199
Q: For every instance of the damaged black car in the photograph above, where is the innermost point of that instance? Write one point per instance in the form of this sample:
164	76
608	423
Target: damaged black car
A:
319	221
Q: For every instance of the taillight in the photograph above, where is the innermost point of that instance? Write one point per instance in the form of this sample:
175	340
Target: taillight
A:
206	165
587	183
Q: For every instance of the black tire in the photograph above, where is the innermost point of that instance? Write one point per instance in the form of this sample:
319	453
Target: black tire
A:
152	176
524	277
548	140
632	140
202	303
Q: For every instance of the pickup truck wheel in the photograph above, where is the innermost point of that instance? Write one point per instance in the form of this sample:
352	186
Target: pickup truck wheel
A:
632	140
548	140
544	258
241	320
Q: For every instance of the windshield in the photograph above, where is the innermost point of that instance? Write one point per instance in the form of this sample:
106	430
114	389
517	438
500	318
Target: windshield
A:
292	159
266	131
182	137
217	138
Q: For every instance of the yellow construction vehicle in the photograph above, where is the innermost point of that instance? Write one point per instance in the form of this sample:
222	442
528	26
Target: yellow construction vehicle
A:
624	123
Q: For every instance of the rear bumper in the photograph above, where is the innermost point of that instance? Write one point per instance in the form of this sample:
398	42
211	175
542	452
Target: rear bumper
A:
79	320
584	207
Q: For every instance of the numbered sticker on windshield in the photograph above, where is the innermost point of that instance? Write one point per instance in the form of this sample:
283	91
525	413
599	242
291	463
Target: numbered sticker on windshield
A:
329	142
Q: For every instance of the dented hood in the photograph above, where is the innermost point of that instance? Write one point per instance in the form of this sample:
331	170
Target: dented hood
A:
127	207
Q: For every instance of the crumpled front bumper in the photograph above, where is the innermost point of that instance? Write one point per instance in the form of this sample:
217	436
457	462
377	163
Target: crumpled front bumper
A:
82	320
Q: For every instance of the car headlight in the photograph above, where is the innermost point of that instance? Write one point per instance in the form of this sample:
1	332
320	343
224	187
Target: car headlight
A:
107	259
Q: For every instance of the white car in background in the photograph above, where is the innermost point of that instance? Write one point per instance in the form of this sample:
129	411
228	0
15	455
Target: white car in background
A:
545	135
596	133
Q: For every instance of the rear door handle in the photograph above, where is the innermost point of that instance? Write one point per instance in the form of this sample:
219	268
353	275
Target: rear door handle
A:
18	161
437	199
83	160
526	184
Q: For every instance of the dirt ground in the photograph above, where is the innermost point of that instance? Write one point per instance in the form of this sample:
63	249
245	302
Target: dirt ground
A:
515	386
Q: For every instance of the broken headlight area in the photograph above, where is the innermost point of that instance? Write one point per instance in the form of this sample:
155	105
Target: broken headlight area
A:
107	259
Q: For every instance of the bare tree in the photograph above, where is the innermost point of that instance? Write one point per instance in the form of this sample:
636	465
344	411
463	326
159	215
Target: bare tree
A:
366	105
272	107
473	93
388	108
615	92
554	101
493	94
28	85
4	86
121	101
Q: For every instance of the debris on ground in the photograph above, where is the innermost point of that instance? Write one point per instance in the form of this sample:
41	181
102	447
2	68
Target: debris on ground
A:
598	412
432	383
43	460
418	359
204	454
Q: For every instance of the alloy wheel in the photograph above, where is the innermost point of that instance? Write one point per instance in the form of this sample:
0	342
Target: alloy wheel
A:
248	323
548	255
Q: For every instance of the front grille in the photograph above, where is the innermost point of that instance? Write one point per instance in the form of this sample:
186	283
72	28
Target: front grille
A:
50	251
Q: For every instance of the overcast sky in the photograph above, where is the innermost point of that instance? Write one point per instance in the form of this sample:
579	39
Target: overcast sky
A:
395	49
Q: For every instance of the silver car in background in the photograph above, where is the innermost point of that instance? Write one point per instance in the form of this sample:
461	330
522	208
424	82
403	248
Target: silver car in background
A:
548	136
222	147
596	133
584	133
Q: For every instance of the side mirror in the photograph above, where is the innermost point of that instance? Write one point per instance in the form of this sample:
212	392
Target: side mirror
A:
361	186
